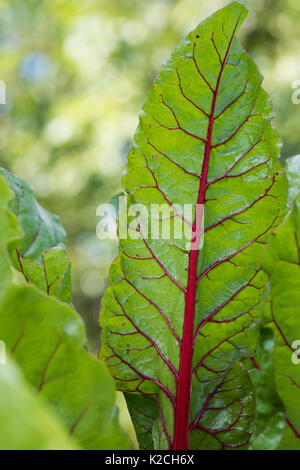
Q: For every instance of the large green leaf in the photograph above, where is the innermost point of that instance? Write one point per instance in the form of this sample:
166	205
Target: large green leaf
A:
46	338
178	317
26	422
42	230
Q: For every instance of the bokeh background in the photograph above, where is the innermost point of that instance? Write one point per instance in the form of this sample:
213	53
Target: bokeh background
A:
77	73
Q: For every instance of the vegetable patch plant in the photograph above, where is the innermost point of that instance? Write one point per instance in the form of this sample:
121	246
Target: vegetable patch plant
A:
200	332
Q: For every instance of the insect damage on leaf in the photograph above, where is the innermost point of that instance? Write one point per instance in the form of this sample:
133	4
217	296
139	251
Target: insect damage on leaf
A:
178	316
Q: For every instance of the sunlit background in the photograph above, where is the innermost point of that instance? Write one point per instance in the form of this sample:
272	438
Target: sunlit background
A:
77	73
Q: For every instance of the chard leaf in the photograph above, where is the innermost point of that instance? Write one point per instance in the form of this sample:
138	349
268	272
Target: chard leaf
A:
53	276
26	422
282	314
42	230
46	338
178	318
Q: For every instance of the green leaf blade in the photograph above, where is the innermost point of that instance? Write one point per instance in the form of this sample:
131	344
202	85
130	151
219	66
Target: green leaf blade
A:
282	263
177	322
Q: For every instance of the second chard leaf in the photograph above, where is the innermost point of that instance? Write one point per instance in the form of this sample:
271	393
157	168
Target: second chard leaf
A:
178	318
282	312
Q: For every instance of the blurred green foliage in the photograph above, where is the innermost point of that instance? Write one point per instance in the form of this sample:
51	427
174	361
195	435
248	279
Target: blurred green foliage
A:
76	75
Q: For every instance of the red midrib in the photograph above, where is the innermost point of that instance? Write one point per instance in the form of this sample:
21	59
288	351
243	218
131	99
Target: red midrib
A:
184	383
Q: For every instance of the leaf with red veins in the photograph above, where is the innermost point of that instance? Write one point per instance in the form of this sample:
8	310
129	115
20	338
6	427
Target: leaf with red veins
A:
177	320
